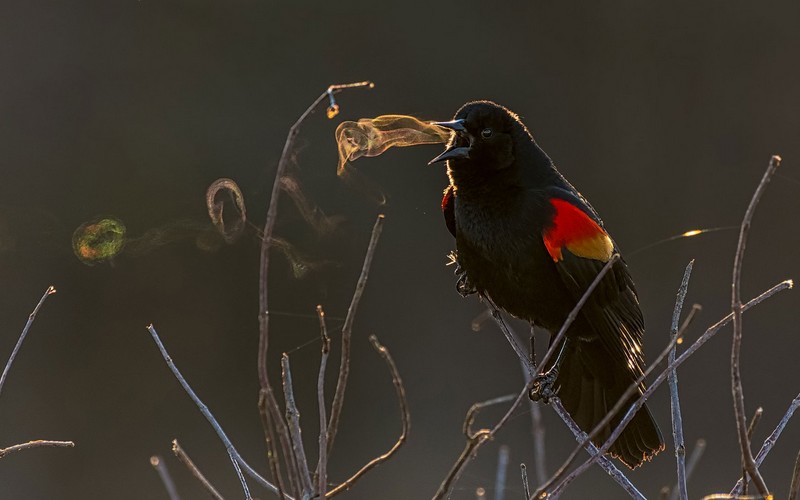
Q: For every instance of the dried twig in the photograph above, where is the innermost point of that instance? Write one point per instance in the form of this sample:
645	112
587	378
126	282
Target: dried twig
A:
321	473
269	225
677	421
50	291
750	430
183	457
502	470
709	333
293	419
794	486
736	305
207	414
404	413
273	456
282	431
158	464
347	329
39	443
691	464
266	396
476	439
771	440
526	487
603	461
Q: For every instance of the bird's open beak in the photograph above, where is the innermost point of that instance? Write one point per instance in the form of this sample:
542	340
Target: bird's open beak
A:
452	152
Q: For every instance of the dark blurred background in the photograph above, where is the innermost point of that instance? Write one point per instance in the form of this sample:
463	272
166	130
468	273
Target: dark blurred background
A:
663	114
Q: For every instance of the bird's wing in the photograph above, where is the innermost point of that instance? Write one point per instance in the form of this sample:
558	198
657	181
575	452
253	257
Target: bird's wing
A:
448	209
580	247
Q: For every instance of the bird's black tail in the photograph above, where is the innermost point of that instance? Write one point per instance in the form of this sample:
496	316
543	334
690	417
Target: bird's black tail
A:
588	388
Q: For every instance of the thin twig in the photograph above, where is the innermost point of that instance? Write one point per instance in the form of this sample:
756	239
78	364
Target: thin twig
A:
321	473
207	414
282	431
771	440
794	486
750	430
603	461
632	389
273	456
529	367
526	487
295	433
677	420
476	439
748	461
39	443
691	464
239	474
405	417
50	291
502	471
347	330
269	225
705	337
184	457
158	464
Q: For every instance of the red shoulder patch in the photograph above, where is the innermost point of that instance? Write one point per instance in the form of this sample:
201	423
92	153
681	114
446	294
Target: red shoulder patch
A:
573	229
448	210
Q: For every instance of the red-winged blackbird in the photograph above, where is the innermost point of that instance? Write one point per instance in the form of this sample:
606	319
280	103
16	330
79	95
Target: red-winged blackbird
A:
529	242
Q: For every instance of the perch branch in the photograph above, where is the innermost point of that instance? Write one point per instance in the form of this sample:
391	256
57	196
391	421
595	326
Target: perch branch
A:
405	416
347	330
736	305
705	337
184	457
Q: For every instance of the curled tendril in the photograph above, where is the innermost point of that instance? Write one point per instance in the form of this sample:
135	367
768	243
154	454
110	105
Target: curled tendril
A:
230	228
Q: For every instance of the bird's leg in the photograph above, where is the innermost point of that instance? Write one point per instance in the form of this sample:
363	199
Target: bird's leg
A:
542	389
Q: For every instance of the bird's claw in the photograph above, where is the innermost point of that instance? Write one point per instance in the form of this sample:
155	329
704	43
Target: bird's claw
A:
542	389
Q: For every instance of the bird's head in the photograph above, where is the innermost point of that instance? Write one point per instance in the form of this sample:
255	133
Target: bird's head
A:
483	137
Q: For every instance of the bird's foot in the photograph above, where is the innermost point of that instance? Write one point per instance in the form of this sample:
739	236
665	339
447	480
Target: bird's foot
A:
463	286
542	389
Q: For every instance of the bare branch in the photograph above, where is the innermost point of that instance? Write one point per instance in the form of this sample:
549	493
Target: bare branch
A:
207	414
321	473
794	486
158	464
273	456
183	457
772	439
691	464
269	225
525	485
405	416
677	421
293	419
705	337
50	291
39	443
282	431
736	305
750	429
476	439
347	330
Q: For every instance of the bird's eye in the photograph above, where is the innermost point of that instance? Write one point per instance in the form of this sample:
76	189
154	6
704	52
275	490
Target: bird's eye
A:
486	133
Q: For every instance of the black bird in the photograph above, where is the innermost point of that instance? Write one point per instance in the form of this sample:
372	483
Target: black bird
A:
531	244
